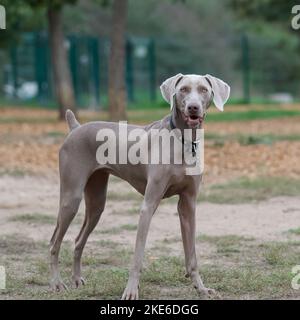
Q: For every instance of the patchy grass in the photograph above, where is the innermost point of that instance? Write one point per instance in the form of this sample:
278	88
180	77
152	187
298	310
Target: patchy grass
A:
142	116
145	115
124	196
107	243
265	274
165	271
247	115
249	139
116	230
17	172
245	190
133	211
227	244
36	218
56	134
129	227
257	270
253	270
295	231
280	254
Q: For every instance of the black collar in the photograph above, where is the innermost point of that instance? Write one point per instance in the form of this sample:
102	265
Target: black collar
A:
172	125
194	144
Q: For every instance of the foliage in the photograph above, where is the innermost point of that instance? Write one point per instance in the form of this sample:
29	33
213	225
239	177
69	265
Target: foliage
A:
19	19
267	10
25	16
189	36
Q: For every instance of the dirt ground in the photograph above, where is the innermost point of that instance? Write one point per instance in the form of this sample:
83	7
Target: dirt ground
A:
267	220
255	243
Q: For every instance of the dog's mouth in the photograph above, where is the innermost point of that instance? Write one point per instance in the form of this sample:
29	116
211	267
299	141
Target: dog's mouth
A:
192	120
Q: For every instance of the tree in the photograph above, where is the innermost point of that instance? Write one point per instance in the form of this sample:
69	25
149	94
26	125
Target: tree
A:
61	71
266	10
273	19
20	18
117	88
25	15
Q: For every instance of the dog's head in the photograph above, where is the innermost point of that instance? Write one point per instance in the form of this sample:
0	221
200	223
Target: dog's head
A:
192	94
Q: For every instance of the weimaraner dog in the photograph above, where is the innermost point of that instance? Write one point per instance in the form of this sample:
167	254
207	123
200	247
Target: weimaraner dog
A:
189	97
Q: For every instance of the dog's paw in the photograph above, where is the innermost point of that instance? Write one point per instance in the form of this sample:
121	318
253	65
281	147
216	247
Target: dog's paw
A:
57	285
131	292
208	293
78	281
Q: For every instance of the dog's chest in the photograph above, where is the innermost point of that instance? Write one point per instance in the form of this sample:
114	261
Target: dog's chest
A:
179	181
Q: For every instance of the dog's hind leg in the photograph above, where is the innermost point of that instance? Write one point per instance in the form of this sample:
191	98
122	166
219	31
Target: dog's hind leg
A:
71	190
95	197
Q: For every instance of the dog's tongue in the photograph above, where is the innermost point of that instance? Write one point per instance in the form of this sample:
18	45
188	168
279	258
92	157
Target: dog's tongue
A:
194	122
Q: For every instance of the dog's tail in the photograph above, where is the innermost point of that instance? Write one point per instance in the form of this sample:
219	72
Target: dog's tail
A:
71	120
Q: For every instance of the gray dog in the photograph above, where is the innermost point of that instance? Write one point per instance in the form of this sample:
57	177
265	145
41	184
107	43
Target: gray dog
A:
189	97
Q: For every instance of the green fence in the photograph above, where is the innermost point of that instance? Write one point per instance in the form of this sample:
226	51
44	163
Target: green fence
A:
27	69
258	69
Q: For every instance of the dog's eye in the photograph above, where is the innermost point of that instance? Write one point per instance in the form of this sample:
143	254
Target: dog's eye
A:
184	89
203	90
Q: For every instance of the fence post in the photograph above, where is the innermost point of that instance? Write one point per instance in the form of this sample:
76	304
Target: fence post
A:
94	66
152	70
41	66
245	68
74	66
129	70
14	64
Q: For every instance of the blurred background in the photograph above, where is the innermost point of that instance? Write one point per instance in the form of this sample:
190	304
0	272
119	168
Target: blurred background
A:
105	59
249	44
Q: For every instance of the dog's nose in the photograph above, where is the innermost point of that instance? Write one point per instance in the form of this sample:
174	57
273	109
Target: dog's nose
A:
193	108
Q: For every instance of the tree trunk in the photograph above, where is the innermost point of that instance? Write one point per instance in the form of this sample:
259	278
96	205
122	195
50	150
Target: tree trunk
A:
117	88
61	72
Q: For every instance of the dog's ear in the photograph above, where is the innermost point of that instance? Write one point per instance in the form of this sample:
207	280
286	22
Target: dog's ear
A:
220	89
167	88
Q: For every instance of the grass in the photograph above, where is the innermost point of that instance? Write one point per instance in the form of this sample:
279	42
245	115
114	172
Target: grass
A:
21	119
56	134
124	196
274	255
36	218
133	210
244	190
245	139
129	227
257	270
223	240
251	115
146	115
227	244
149	114
116	230
280	254
295	231
17	173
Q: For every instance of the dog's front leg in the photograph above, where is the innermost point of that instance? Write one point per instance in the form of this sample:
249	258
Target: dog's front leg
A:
187	211
153	194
